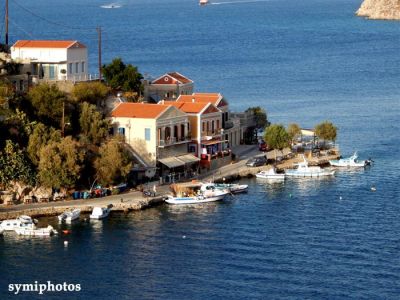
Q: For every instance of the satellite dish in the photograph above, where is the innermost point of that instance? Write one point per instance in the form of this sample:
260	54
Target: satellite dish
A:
149	173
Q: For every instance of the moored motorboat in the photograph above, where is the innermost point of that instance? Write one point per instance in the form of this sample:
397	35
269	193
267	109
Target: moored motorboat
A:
48	231
351	161
232	188
303	170
22	222
100	212
70	215
270	174
216	196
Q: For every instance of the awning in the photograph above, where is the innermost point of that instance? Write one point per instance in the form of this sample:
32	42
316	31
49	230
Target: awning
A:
188	158
213	142
171	162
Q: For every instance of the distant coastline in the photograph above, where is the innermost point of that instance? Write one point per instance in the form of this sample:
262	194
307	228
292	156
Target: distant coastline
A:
380	9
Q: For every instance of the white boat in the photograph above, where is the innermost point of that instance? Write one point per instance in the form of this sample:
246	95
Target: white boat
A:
111	5
1	231
232	188
303	170
70	215
204	2
100	212
216	196
22	222
351	161
270	174
48	231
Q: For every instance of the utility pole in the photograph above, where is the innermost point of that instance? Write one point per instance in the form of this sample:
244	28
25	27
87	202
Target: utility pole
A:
99	46
63	119
6	21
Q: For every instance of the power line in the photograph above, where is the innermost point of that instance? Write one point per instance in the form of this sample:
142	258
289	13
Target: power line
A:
47	20
20	28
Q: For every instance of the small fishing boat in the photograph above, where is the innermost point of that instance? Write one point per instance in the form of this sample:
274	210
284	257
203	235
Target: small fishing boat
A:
270	174
216	196
22	222
232	188
70	215
48	231
351	161
303	170
100	212
204	2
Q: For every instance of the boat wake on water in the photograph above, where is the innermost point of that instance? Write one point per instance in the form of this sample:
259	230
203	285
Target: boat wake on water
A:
112	5
237	2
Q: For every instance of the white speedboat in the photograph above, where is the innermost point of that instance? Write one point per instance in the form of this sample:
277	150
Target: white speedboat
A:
216	196
22	222
100	212
70	215
270	174
204	2
351	161
48	231
303	170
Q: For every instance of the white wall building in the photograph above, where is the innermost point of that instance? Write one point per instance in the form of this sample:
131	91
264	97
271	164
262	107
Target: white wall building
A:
53	60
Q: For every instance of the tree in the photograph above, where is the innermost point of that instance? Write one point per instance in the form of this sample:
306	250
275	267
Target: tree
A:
121	76
326	131
14	166
94	128
276	136
40	137
260	115
92	92
60	163
19	126
293	131
113	163
48	102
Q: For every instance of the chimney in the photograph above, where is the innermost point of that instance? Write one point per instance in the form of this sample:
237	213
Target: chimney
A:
193	99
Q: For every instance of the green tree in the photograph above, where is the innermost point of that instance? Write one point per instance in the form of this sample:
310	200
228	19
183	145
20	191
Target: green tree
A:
92	92
60	163
48	102
6	93
293	130
276	136
113	163
40	137
326	131
260	115
19	126
94	128
14	166
121	76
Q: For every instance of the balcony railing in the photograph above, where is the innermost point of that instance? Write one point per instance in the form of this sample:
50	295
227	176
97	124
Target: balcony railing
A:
173	141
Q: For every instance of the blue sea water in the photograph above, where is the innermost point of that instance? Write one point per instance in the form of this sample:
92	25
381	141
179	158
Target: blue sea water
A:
305	62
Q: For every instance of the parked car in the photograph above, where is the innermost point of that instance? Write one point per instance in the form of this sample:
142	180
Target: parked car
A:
256	161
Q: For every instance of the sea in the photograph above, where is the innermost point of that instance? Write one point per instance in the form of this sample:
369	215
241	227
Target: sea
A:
304	62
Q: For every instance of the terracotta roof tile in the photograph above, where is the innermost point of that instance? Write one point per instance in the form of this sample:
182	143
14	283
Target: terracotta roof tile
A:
172	78
47	44
139	110
214	98
180	77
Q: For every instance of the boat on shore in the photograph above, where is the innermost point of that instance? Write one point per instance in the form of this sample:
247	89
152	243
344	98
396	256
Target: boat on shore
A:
270	174
70	215
351	161
100	212
22	222
48	231
303	170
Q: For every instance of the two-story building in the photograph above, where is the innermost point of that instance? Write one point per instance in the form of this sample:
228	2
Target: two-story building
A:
52	60
167	87
156	134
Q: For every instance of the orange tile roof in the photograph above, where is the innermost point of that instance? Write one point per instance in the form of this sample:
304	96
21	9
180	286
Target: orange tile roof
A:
214	98
180	77
189	107
47	44
138	110
172	78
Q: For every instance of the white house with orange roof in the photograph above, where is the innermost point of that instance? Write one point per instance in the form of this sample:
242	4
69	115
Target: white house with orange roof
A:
167	87
155	132
53	60
230	128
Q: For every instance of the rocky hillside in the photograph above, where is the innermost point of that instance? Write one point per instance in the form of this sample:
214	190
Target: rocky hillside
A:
380	9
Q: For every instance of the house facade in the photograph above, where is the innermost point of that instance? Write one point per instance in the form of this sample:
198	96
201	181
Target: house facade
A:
153	132
167	87
52	60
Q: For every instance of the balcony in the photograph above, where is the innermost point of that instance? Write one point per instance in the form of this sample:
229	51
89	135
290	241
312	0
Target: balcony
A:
173	141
